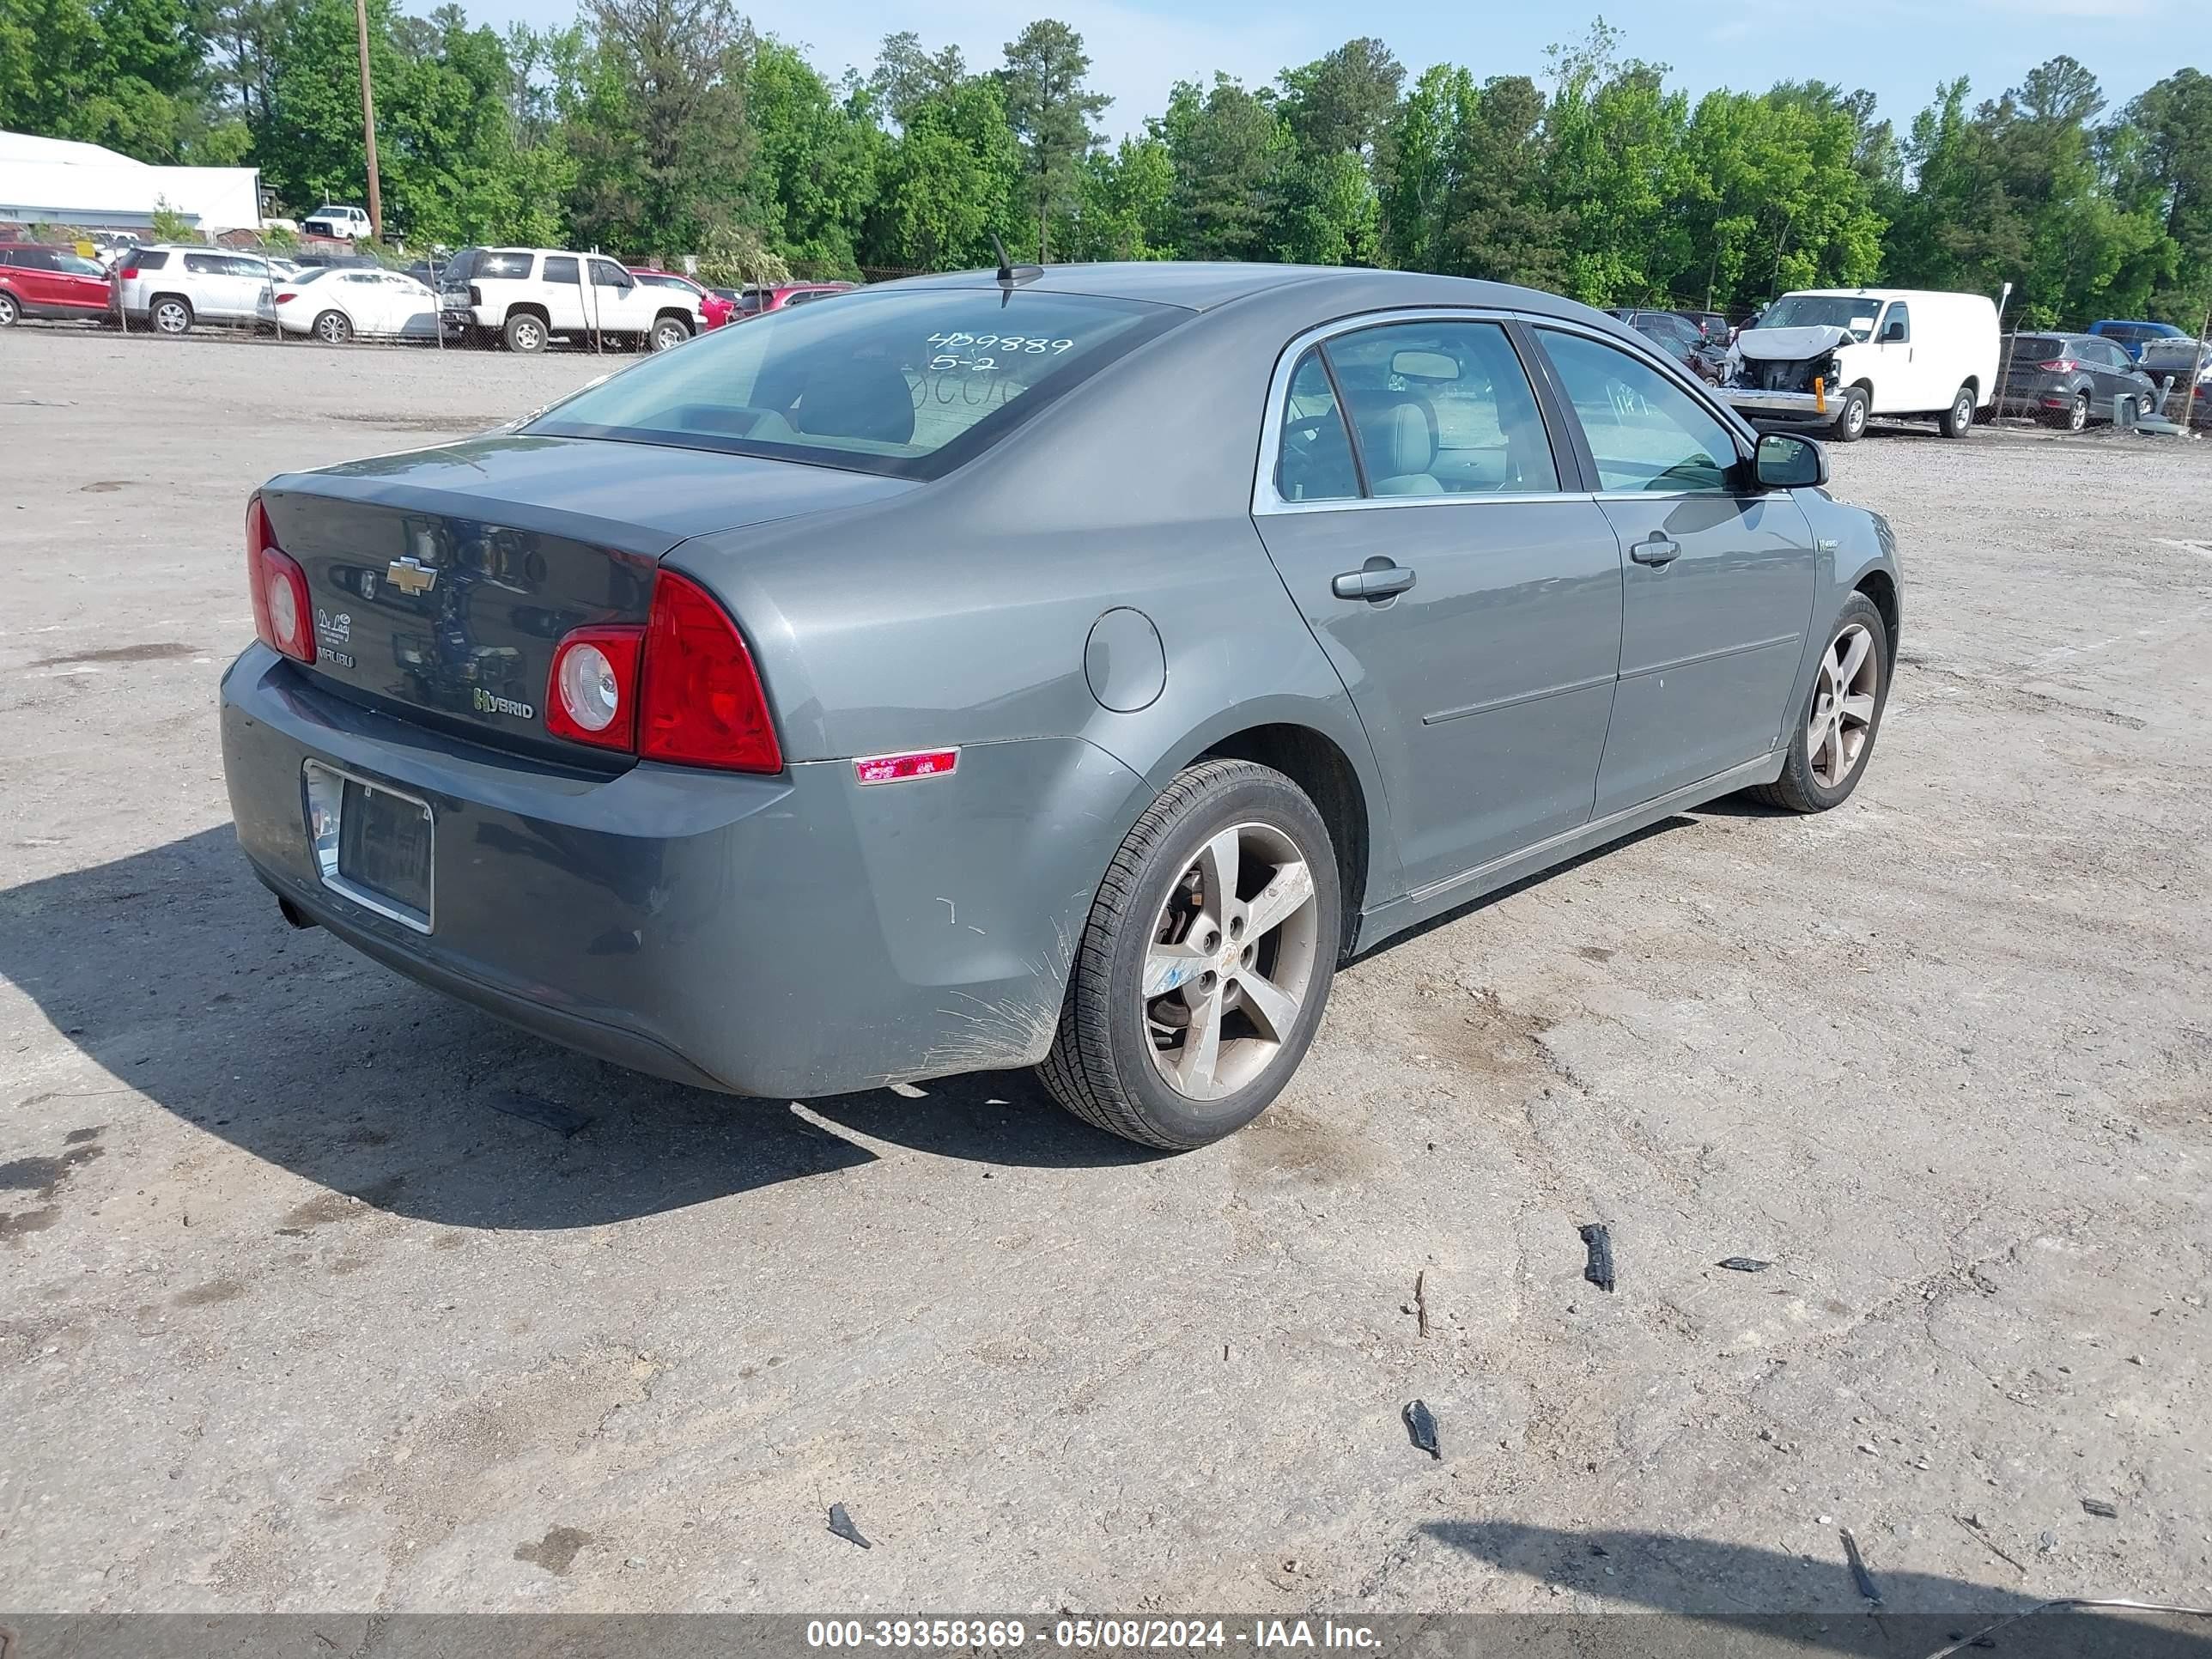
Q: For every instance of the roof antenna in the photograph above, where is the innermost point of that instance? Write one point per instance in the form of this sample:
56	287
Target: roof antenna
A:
1005	265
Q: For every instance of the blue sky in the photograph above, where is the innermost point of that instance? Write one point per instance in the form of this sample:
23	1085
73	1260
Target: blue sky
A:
1898	48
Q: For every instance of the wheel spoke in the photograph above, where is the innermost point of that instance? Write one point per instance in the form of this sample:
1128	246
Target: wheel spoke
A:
1274	1009
1823	742
1853	647
1288	892
1859	710
1168	967
1196	1072
1217	862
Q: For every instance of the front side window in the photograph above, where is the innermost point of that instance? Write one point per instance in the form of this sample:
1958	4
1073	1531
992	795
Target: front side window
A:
1896	324
606	275
909	384
1645	433
75	266
1443	409
1313	454
560	269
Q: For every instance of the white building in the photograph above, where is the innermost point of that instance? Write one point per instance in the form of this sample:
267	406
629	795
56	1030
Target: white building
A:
58	181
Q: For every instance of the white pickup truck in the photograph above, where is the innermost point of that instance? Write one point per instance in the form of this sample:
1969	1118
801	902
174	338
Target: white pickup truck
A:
525	298
347	223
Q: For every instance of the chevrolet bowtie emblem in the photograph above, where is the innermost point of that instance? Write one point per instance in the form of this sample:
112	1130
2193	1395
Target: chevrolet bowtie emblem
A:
411	575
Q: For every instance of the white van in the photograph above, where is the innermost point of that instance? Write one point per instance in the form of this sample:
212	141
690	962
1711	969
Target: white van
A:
1832	357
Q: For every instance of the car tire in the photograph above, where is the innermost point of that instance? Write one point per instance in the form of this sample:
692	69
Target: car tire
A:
1817	776
2074	418
525	333
333	328
9	310
170	314
1958	421
669	333
1124	1061
1851	418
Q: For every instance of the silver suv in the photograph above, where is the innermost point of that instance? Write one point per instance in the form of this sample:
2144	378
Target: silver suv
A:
170	289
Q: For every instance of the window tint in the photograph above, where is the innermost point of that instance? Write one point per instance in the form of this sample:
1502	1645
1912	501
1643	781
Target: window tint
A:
561	269
1896	323
605	275
2037	348
1443	409
1313	462
1645	432
908	384
207	265
147	261
515	265
35	259
75	265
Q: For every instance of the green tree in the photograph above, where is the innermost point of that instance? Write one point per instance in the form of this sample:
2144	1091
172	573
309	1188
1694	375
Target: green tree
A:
1122	202
815	164
950	180
1050	112
2161	155
906	76
1227	145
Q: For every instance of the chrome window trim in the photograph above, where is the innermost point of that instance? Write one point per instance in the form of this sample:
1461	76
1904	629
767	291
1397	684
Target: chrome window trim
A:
1267	502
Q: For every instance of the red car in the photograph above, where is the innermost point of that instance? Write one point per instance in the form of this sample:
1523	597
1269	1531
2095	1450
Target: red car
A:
49	281
759	301
712	310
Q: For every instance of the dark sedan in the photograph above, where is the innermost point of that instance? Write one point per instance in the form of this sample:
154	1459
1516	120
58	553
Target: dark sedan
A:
1067	668
1682	340
2071	379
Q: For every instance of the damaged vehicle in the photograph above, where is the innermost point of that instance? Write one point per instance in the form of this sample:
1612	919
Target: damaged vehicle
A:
1832	359
1066	668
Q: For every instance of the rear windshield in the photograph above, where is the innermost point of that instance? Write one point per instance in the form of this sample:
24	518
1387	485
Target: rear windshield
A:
147	261
2037	347
907	384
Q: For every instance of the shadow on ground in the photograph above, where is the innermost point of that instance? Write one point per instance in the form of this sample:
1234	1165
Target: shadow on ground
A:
171	970
1720	1599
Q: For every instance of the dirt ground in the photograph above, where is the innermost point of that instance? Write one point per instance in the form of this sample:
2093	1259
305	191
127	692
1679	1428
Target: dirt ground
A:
293	1317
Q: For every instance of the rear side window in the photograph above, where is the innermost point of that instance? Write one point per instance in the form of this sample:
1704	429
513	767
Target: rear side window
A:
1443	409
1313	461
206	264
35	259
154	260
1645	433
907	384
512	265
560	270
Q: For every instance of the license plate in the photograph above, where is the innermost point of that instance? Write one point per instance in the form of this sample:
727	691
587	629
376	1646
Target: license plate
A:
372	844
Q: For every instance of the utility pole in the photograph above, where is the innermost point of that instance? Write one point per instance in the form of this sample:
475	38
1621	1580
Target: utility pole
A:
369	122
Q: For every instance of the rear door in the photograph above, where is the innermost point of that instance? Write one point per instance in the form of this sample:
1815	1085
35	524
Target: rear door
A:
1718	589
1469	599
561	285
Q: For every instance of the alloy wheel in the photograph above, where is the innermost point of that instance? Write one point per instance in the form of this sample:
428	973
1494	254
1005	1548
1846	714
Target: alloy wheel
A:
2077	413
669	336
1843	696
171	317
1231	962
332	328
7	312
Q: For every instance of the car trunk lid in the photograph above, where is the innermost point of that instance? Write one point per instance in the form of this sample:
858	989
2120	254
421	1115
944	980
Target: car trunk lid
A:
442	580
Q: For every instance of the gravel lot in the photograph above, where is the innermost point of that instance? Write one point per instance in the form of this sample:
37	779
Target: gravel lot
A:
292	1318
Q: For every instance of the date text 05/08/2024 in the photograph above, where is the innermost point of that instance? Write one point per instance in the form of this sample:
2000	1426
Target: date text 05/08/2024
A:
1086	1635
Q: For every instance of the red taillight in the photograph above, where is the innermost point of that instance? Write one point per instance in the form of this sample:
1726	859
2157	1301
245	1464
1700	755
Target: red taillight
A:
282	614
2060	365
591	696
682	688
702	704
287	297
130	275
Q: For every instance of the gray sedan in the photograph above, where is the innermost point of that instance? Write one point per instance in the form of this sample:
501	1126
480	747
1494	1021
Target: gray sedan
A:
1066	669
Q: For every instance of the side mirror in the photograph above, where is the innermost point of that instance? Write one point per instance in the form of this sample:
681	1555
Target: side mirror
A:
1784	462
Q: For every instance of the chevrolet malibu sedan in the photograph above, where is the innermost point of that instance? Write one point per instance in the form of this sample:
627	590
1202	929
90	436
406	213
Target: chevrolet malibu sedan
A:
1066	669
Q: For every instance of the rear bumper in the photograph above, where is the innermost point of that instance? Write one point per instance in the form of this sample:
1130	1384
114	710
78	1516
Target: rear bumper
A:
789	936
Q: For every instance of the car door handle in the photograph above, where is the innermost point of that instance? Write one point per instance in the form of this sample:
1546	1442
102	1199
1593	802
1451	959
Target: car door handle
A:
1656	551
1379	579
